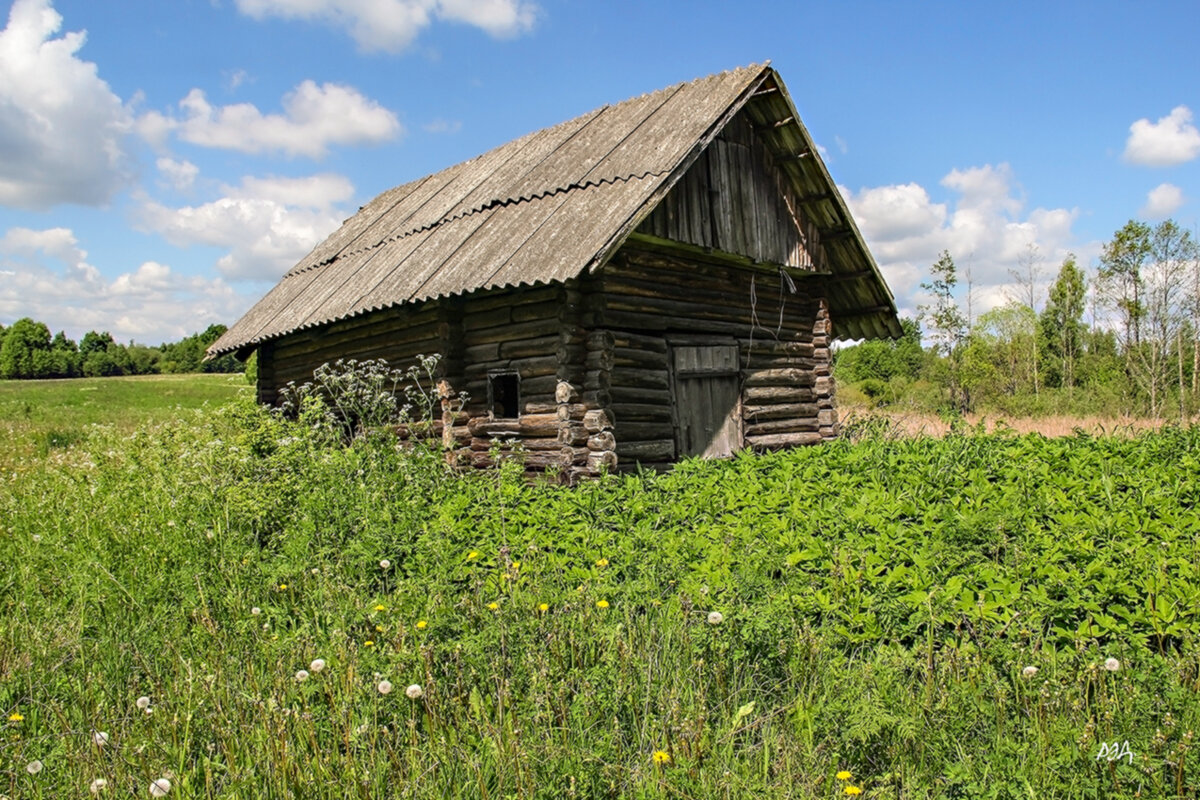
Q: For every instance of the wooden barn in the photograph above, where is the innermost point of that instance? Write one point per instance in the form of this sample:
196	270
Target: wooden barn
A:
652	280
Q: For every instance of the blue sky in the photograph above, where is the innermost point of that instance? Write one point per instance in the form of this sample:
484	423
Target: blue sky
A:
163	163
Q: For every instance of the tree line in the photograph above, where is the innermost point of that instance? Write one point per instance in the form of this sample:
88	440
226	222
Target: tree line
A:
1122	338
27	351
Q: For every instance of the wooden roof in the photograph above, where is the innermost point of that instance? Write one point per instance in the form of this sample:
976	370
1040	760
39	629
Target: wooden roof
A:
559	201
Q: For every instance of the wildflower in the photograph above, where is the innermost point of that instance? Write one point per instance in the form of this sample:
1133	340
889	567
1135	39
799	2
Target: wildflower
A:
282	586
384	687
385	564
16	716
414	691
317	665
255	611
852	790
422	625
160	787
661	757
97	786
37	537
379	629
601	604
369	643
715	618
543	607
381	607
1111	664
471	556
34	767
302	675
1029	672
516	565
143	702
493	606
100	738
602	562
843	776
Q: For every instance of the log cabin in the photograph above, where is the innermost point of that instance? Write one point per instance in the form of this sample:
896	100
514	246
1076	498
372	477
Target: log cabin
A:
656	279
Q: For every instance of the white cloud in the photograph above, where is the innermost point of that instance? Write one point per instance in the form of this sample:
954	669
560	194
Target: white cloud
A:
984	227
392	25
62	130
48	278
315	117
267	224
1170	141
1162	201
440	125
179	174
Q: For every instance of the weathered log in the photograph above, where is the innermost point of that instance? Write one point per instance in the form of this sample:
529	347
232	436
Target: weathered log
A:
757	413
785	376
527	425
526	348
658	450
573	435
625	340
644	431
776	440
512	332
642	412
778	394
782	426
605	459
615	395
601	441
565	392
627	378
598	419
827	417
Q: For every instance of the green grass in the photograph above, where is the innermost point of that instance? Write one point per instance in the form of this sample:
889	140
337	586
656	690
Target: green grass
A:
37	417
880	603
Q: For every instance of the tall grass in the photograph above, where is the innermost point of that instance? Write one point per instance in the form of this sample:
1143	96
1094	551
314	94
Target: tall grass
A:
879	604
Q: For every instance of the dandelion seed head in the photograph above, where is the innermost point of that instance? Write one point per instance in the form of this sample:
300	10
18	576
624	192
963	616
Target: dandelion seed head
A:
34	767
1029	672
37	537
1111	664
385	564
97	786
143	702
715	618
255	611
317	665
384	687
100	738
160	787
302	675
414	691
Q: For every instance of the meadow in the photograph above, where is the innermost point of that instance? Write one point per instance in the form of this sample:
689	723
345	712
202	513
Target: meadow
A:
215	602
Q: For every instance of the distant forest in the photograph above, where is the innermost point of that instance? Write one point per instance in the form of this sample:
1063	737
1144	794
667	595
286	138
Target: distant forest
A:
1123	338
27	351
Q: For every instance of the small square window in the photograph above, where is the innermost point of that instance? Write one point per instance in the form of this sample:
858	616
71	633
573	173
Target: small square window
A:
504	395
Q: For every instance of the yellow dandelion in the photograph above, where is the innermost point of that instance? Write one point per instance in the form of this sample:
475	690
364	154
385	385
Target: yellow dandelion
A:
493	606
369	643
16	716
543	607
422	625
852	790
516	565
601	604
471	556
843	776
661	757
379	629
381	607
282	586
602	562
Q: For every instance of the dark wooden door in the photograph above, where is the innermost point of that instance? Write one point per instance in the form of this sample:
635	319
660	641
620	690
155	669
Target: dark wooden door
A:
707	389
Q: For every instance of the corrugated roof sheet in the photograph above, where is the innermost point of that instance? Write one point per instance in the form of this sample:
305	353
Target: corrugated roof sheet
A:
544	208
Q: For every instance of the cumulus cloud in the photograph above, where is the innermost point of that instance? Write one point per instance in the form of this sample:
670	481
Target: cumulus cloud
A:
179	174
1170	141
1162	201
62	130
266	224
47	277
392	25
315	117
983	225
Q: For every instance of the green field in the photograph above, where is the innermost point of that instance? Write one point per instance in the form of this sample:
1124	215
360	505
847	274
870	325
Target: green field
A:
972	616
